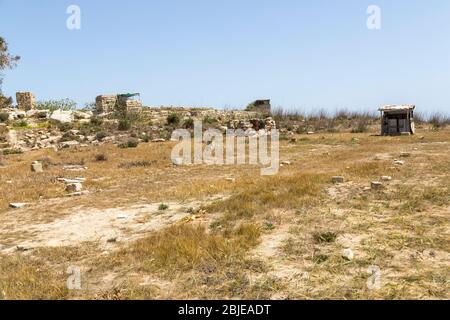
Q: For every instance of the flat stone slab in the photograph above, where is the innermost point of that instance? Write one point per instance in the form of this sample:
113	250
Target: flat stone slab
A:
338	179
18	205
73	180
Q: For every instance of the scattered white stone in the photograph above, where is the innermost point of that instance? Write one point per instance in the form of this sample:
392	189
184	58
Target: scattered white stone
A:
73	180
112	240
399	162
17	205
405	155
62	116
233	180
68	144
158	140
338	179
74	187
83	115
386	178
22	248
74	168
376	185
286	163
37	167
348	254
78	194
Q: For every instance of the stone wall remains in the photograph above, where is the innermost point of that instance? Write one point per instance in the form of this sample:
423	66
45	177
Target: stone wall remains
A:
25	101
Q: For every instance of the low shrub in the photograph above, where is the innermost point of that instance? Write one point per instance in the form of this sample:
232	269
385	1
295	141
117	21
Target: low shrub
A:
52	105
130	143
360	128
96	121
173	119
100	136
4	117
188	123
136	164
325	237
124	125
163	207
12	151
101	157
21	124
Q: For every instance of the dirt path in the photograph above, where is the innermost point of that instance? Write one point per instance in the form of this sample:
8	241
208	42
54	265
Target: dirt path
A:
104	227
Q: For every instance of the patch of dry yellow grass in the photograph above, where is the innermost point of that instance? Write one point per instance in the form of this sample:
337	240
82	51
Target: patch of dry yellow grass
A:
403	228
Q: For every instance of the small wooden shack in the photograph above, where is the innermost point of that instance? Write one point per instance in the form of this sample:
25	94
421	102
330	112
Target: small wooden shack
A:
397	120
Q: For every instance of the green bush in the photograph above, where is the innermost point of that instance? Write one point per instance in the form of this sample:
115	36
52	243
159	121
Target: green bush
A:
361	127
12	151
188	123
21	124
173	119
163	207
210	120
124	125
64	127
130	143
4	117
5	102
53	105
96	121
101	157
100	136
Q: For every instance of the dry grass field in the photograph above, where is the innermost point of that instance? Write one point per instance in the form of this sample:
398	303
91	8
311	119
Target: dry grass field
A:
152	230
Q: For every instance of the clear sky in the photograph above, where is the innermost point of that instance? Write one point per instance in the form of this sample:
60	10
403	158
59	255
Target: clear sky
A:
226	53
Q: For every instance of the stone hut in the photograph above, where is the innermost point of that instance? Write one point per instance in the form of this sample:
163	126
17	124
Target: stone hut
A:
397	120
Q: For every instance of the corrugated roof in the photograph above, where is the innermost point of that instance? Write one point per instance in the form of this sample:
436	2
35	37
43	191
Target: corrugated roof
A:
398	107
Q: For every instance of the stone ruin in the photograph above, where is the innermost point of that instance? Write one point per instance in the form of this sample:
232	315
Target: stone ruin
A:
121	103
105	104
25	101
34	136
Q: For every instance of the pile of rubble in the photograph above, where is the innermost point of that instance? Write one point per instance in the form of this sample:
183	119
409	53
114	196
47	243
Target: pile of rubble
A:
254	126
28	129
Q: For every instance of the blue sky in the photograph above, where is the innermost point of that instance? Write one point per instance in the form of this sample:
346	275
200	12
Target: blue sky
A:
301	54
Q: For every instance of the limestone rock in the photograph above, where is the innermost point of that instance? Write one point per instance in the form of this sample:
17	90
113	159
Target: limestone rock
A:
18	205
338	179
405	155
348	254
37	167
74	187
376	185
68	144
62	116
